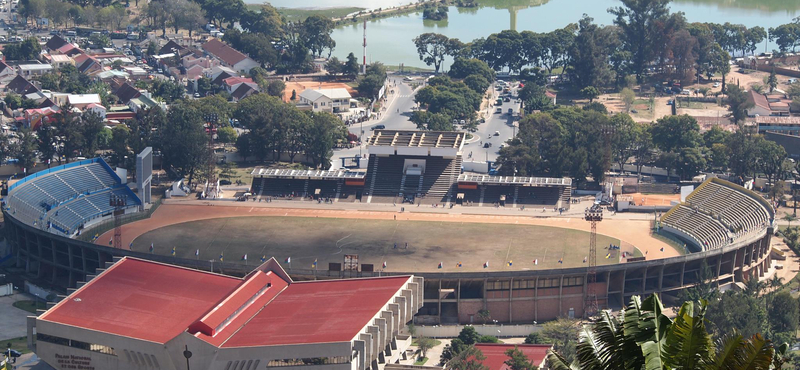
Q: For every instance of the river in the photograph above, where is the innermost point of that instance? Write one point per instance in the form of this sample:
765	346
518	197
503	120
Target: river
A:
389	40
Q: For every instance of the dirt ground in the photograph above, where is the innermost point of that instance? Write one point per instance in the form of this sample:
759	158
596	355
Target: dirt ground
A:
631	233
300	86
309	239
654	199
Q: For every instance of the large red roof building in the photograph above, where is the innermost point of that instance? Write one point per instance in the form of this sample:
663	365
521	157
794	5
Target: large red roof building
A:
141	314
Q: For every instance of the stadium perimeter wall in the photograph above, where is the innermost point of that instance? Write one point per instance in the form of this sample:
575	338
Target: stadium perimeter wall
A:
449	298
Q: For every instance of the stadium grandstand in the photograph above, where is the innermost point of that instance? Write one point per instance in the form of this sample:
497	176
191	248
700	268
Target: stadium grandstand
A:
422	167
65	199
718	213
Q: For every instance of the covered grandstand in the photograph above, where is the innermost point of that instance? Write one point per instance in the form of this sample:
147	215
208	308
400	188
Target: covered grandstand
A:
718	213
515	191
65	199
301	184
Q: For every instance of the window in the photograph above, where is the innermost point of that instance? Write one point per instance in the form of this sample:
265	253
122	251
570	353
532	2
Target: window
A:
76	344
549	283
309	361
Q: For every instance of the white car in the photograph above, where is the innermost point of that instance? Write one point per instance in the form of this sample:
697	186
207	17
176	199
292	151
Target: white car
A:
716	84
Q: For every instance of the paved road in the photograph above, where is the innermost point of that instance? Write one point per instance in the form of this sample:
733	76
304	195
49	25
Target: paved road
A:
501	123
14	319
398	115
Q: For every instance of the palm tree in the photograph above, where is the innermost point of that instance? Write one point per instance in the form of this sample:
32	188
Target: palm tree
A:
642	336
789	218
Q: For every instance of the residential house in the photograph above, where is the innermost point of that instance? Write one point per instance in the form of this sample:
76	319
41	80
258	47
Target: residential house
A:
19	85
96	109
33	70
230	56
171	47
55	43
126	92
59	60
760	104
243	91
78	101
143	102
326	100
7	72
34	118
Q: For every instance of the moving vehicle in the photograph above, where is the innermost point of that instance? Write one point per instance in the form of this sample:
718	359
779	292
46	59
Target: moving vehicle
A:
497	133
510	111
378	127
499	110
487	145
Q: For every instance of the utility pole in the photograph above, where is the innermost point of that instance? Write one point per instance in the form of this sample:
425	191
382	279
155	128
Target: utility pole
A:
364	64
593	215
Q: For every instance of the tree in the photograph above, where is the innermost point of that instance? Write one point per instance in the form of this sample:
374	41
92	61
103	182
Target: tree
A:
518	361
370	84
771	157
470	358
738	103
29	49
25	148
477	83
226	134
720	63
432	121
324	131
484	315
120	135
645	337
463	67
334	66
639	22
672	133
432	48
469	335
772	80
316	34
424	344
590	92
351	67
449	351
275	88
243	146
534	338
628	97
590	52
562	333
188	155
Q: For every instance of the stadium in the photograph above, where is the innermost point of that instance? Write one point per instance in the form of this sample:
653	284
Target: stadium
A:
412	212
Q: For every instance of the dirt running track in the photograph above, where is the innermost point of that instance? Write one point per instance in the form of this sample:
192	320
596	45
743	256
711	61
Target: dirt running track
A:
630	232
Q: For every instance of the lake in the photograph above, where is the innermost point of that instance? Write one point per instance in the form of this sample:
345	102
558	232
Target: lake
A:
389	40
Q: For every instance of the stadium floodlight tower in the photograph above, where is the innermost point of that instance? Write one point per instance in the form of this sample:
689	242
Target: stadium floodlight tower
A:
118	202
593	215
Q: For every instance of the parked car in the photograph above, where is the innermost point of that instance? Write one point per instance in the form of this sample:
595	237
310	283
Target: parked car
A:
510	111
716	84
499	110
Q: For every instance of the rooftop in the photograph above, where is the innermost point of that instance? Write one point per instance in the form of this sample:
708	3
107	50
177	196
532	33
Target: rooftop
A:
322	174
402	138
318	312
224	52
496	354
156	302
313	95
134	296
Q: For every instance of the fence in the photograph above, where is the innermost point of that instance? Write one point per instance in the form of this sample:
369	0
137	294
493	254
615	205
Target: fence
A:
102	227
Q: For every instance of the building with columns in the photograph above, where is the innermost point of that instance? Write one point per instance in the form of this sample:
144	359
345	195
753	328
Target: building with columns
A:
138	314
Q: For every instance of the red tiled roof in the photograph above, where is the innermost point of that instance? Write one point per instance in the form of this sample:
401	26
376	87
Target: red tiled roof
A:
496	354
230	81
318	312
224	52
758	99
143	300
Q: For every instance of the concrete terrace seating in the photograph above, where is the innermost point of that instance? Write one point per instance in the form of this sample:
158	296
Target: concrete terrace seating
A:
67	198
531	195
388	177
440	174
327	188
734	209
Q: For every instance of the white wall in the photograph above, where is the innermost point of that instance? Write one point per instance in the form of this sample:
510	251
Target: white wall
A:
451	331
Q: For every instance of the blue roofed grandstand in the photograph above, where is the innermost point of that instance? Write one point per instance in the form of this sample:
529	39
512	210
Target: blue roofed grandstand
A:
719	213
65	199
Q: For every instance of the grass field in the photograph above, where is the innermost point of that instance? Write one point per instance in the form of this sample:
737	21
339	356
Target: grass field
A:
329	239
19	344
30	306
